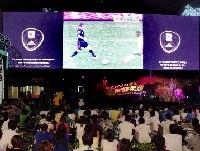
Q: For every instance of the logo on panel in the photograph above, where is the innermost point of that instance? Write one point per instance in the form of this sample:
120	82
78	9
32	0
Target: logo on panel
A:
169	41
32	38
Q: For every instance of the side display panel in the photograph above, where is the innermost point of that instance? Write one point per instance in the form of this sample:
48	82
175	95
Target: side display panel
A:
38	38
102	40
171	42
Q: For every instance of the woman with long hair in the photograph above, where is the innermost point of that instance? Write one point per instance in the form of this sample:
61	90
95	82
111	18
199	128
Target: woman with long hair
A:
61	138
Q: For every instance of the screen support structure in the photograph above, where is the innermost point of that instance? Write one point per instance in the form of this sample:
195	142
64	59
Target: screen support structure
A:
3	67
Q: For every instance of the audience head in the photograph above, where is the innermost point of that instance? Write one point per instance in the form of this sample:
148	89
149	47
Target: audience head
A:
12	124
124	145
44	127
109	136
45	146
189	109
88	128
159	142
152	113
174	129
17	141
104	115
43	116
168	116
94	119
128	118
87	139
141	120
61	132
141	112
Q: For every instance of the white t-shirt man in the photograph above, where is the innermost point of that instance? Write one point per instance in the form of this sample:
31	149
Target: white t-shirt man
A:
126	129
165	125
79	130
142	133
154	122
6	138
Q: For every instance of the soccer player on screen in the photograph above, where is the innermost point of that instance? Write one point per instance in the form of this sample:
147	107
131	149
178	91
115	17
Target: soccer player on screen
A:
82	43
138	51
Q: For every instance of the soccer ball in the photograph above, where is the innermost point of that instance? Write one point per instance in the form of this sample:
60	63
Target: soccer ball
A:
105	61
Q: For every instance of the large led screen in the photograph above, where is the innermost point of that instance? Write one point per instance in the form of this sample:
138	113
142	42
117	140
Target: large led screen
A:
38	38
94	40
171	42
108	40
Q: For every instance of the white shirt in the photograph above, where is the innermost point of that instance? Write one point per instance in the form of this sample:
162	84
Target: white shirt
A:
79	130
109	146
142	133
85	148
126	129
6	138
173	142
165	125
147	120
157	114
94	112
80	102
5	125
139	41
80	112
42	121
154	122
183	115
177	118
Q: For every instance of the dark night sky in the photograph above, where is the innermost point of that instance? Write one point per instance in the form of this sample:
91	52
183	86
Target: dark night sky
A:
140	6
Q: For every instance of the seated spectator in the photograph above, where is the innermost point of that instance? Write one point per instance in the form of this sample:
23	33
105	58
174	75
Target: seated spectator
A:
89	130
61	138
87	143
80	126
154	122
189	129
190	115
17	143
106	123
173	141
159	143
165	124
142	132
8	134
45	146
109	143
5	123
42	135
126	129
49	122
176	116
63	121
194	142
124	145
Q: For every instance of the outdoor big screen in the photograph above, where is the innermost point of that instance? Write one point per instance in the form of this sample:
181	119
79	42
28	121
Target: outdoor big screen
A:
94	40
